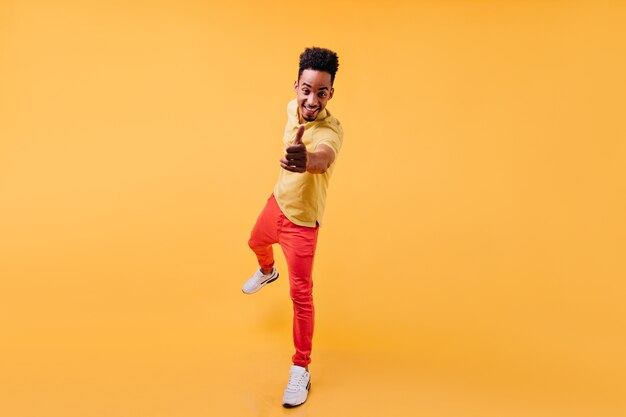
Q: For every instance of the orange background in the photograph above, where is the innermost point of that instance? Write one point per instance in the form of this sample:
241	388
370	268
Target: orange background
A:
472	257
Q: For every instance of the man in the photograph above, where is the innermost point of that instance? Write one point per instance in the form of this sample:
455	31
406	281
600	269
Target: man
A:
294	211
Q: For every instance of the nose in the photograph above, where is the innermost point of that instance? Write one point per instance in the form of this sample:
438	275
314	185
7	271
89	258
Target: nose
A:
311	100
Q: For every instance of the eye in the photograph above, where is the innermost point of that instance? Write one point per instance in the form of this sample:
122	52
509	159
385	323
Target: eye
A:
322	95
305	90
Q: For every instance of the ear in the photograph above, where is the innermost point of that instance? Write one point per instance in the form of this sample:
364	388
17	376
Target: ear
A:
295	86
330	94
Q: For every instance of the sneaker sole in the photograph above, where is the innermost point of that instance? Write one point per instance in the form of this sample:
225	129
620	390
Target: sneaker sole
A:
308	388
262	285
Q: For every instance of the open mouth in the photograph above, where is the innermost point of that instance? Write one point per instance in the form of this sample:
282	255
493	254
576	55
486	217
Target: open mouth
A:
310	110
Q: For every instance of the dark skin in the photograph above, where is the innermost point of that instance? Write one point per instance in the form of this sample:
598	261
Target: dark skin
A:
297	159
313	90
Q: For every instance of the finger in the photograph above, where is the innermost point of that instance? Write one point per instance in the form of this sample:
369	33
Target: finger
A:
296	149
293	163
299	133
294	169
291	168
296	155
296	163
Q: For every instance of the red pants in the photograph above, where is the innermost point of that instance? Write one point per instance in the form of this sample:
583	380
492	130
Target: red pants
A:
298	244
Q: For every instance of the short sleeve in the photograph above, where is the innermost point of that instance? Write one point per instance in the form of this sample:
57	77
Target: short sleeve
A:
331	137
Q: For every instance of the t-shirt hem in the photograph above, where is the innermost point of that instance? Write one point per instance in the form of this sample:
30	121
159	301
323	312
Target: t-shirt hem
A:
292	219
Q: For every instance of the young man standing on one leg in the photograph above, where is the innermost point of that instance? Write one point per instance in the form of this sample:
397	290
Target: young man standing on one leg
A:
294	211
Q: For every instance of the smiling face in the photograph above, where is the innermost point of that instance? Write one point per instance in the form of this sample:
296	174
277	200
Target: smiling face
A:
313	89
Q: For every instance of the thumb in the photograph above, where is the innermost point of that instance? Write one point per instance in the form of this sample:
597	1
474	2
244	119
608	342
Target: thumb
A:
298	139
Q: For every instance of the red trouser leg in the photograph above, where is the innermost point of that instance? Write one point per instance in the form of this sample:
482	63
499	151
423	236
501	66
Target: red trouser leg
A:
298	244
265	233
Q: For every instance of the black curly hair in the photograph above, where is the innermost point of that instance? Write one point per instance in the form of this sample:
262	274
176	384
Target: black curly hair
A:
319	59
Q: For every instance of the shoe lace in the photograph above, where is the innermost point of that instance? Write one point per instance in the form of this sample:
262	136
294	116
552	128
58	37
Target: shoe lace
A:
295	382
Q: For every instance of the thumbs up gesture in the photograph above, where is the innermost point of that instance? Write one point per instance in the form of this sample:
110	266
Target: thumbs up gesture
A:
295	159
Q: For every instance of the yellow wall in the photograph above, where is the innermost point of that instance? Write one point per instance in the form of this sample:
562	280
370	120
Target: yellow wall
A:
472	258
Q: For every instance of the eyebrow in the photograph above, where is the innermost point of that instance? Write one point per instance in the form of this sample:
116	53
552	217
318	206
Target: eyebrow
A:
308	85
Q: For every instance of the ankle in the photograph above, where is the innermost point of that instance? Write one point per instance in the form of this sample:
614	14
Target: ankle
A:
266	271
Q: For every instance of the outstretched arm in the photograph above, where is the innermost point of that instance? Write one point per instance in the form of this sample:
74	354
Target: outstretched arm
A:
320	160
297	159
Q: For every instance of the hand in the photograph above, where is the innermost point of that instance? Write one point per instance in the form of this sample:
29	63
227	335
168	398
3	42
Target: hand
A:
296	157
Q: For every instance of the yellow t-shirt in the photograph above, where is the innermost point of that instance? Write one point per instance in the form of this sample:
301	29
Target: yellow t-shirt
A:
302	196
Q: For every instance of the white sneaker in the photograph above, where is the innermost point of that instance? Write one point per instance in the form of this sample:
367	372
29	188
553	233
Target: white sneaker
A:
259	280
297	388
